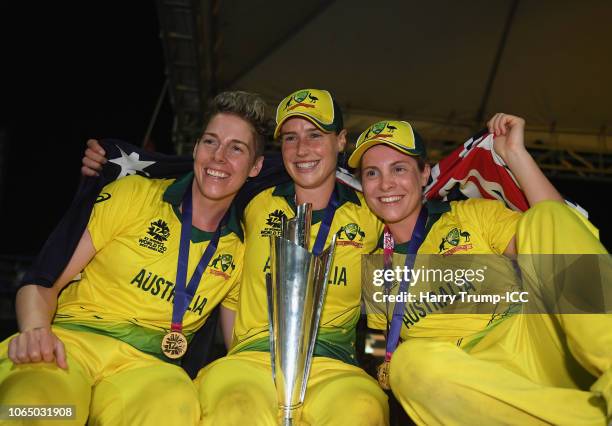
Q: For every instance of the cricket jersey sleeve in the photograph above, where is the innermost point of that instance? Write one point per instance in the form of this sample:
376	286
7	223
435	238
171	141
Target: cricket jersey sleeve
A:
116	206
592	228
231	299
497	222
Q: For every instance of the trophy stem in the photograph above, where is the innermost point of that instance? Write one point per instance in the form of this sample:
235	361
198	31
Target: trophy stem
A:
289	416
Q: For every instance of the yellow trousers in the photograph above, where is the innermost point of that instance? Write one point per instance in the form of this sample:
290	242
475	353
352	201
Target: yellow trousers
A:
531	368
107	382
239	390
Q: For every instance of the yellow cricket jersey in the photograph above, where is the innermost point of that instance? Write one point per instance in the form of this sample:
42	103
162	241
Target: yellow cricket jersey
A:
357	231
127	289
473	226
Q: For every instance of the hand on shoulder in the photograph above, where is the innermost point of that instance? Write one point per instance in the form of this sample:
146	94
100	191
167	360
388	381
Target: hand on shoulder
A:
94	158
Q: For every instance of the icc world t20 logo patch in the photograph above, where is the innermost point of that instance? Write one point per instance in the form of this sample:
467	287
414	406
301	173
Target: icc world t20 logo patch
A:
453	238
159	230
159	233
222	265
273	223
301	99
350	235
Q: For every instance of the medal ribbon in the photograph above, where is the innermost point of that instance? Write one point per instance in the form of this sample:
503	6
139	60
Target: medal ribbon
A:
184	294
418	235
330	211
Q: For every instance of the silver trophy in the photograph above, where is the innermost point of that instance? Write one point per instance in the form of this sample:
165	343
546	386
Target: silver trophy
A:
296	292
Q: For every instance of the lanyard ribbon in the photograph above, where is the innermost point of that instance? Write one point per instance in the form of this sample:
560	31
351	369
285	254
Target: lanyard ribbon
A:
418	235
330	211
184	294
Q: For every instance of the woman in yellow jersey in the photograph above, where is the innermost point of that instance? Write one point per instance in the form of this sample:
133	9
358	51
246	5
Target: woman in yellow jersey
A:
456	369
107	347
239	389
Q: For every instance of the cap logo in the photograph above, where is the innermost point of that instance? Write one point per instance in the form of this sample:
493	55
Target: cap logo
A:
377	128
299	98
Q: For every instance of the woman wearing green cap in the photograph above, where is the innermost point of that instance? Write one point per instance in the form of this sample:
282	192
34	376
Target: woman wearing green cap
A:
489	369
238	389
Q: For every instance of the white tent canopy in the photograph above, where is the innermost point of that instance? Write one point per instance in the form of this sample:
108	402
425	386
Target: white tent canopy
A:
444	65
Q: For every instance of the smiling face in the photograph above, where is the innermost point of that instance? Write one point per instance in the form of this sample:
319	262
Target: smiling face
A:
309	154
392	183
224	157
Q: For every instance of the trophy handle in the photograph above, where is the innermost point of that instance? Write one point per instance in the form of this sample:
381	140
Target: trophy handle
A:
327	258
270	322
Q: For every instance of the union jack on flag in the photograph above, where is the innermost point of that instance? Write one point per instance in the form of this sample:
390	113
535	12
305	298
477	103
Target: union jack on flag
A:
475	170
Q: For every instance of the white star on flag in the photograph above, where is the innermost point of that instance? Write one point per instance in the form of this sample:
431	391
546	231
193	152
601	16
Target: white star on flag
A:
130	164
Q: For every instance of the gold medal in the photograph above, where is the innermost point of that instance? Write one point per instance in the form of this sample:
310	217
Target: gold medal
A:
382	373
174	345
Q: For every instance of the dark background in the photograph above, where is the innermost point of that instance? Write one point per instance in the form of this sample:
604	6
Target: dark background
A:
72	72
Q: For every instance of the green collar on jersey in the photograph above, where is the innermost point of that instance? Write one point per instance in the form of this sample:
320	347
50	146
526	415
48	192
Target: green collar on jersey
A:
345	194
174	195
435	210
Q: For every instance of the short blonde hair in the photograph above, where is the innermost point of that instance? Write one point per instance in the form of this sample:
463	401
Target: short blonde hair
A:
248	106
